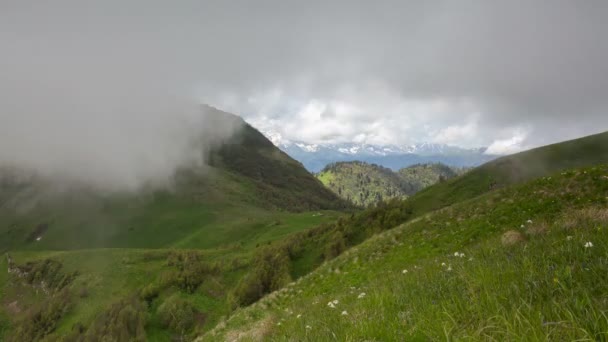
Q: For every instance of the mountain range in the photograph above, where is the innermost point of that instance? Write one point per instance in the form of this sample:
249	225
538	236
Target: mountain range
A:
252	247
315	157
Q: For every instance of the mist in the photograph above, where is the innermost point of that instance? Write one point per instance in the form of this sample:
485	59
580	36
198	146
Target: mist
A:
82	104
108	92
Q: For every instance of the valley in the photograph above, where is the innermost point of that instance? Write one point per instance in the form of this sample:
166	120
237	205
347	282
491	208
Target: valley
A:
253	247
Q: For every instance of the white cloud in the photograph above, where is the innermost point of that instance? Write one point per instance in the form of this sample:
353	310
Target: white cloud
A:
510	145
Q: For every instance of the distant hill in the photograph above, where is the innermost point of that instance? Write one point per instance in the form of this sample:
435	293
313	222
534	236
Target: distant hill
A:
364	184
316	156
246	178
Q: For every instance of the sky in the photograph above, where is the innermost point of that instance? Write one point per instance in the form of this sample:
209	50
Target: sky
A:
113	86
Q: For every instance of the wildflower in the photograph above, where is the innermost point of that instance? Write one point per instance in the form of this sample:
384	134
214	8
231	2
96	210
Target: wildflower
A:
589	244
529	221
443	264
569	237
461	255
279	324
361	295
471	259
308	327
404	271
522	226
335	302
449	268
344	313
456	254
298	316
331	305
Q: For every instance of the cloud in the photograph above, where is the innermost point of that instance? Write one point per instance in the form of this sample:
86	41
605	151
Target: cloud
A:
110	88
509	145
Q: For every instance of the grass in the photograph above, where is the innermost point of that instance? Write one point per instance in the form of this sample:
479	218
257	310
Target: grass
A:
549	287
513	169
110	274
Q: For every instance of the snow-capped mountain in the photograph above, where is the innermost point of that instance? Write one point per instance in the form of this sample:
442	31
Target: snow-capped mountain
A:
316	156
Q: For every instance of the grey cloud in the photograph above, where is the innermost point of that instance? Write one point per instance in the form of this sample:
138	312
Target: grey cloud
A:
104	83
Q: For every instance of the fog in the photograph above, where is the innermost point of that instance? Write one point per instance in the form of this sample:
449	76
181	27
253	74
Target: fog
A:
108	92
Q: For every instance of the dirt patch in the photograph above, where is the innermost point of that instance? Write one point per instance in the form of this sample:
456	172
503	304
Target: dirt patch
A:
540	228
512	237
13	308
258	332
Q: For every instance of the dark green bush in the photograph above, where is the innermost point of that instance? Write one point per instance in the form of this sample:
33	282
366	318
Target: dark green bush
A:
41	320
270	273
177	314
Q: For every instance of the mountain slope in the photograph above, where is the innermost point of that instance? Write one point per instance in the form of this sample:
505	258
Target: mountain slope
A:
364	184
524	262
247	179
513	169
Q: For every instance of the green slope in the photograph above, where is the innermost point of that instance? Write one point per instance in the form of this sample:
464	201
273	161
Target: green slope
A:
449	275
121	264
514	169
246	181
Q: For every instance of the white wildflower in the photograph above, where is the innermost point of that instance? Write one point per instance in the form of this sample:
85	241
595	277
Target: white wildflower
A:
443	264
404	271
449	268
529	221
344	313
569	237
456	254
471	259
335	302
361	295
522	226
279	324
589	244
331	305
308	327
299	315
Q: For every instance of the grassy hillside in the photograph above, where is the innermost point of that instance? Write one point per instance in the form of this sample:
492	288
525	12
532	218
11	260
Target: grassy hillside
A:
365	184
526	262
248	179
156	264
514	169
137	280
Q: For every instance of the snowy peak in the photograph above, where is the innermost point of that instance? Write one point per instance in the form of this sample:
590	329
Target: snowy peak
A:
316	156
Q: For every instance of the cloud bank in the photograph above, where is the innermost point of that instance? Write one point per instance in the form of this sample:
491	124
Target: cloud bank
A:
111	88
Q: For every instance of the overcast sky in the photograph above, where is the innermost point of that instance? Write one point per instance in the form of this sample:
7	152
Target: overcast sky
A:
81	76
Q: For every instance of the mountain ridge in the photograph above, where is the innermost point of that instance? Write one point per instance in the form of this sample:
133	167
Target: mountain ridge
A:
316	156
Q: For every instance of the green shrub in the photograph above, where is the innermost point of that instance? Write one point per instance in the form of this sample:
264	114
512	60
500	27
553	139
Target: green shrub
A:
270	273
177	314
42	319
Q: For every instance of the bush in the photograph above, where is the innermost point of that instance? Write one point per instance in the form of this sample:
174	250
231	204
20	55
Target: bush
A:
270	273
177	314
42	319
123	321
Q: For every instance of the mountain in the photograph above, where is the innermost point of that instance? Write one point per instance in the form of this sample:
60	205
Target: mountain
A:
316	156
244	174
523	262
218	258
365	184
513	169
